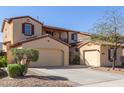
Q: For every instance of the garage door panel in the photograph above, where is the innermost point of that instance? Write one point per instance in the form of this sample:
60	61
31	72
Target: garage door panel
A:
91	58
49	57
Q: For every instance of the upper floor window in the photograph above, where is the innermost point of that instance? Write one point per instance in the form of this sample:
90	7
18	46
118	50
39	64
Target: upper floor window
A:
28	29
74	36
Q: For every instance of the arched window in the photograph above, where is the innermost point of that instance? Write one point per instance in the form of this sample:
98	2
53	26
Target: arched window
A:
28	29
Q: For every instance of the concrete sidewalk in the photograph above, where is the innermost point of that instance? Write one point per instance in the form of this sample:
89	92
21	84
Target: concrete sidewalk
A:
113	83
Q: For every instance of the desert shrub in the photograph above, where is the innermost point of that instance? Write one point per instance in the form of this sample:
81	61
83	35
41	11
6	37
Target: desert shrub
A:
3	61
32	54
15	70
122	64
18	54
23	70
76	60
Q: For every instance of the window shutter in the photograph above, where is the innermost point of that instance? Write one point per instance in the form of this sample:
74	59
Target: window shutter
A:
111	54
32	30
23	28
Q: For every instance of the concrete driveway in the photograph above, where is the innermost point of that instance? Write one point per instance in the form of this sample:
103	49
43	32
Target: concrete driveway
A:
83	76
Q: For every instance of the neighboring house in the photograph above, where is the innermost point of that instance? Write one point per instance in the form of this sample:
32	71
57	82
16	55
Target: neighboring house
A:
56	46
98	54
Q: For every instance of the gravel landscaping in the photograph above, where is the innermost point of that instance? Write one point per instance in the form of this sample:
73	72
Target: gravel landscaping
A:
119	70
34	80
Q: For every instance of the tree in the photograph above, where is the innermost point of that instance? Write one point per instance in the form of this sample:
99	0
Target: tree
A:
19	54
109	29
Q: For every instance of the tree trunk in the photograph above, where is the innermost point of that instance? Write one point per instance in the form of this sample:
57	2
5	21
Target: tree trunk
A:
114	58
113	64
115	49
27	62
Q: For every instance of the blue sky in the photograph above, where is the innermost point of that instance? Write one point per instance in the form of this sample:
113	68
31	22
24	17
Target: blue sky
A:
76	18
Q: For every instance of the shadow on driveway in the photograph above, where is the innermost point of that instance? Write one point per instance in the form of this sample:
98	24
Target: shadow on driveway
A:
4	74
63	67
43	77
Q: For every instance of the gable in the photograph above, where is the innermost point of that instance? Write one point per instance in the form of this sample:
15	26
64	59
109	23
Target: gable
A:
18	34
82	44
37	39
45	42
28	18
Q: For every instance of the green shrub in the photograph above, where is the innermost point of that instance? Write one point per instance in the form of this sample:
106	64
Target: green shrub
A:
23	69
76	60
18	54
15	70
3	61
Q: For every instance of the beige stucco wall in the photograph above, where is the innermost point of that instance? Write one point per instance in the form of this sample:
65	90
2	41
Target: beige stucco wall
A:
82	37
4	48
64	35
104	56
7	33
56	35
49	43
87	47
17	29
123	51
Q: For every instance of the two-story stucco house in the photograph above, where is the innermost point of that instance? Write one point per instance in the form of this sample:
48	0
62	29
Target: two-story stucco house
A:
56	46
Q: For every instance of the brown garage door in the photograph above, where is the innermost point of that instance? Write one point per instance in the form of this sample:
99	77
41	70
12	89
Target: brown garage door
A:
49	57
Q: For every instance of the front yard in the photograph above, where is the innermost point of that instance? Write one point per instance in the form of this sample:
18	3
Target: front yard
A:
34	80
19	76
118	70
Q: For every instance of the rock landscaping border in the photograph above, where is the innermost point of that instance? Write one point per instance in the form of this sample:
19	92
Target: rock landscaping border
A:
118	70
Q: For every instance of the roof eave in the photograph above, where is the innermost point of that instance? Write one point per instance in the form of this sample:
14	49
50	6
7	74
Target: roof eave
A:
11	19
20	43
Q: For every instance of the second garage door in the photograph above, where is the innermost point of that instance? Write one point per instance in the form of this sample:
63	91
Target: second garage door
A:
49	57
92	58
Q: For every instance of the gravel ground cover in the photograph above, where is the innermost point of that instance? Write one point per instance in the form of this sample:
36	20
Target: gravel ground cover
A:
34	80
119	70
